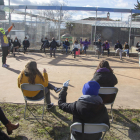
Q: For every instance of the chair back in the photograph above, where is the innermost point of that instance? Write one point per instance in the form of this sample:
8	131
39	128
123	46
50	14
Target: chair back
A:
89	128
108	94
31	87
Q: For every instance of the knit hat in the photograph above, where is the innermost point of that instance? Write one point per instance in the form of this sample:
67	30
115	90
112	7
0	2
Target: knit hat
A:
32	65
91	88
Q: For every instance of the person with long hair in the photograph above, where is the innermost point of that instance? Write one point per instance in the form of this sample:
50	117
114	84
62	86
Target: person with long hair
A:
32	75
104	75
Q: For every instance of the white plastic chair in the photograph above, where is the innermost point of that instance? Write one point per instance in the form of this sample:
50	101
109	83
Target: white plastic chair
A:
31	87
89	128
108	94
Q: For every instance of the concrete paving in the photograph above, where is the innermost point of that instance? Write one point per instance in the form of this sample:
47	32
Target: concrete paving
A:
79	71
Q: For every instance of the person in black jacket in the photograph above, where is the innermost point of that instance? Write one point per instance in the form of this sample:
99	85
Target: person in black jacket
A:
119	49
104	75
138	46
26	44
53	46
99	44
88	109
66	45
16	45
45	44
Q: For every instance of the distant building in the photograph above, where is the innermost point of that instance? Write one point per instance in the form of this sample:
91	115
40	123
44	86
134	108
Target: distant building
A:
2	13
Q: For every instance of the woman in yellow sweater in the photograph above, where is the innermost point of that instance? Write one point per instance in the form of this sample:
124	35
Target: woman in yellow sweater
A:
32	75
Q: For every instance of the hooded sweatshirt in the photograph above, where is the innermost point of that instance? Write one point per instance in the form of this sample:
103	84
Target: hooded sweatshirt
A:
105	78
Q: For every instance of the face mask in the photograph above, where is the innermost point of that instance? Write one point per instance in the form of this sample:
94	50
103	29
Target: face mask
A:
15	40
66	40
26	39
126	44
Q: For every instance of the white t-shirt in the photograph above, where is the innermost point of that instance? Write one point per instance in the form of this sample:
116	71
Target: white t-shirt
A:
76	46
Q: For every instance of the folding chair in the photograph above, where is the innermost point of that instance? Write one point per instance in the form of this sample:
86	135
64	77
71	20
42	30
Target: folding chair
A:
108	94
89	128
31	87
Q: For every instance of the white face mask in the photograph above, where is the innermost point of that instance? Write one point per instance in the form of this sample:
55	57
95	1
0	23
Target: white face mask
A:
15	40
66	40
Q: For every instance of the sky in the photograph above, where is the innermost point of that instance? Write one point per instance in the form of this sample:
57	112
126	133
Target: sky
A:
128	4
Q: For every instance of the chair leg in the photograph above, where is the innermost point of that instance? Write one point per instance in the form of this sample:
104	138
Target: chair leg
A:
25	109
43	110
103	136
112	112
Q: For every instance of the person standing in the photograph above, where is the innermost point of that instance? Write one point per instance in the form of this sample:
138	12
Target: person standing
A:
138	46
99	44
45	44
66	45
106	46
26	44
16	45
85	44
4	44
53	46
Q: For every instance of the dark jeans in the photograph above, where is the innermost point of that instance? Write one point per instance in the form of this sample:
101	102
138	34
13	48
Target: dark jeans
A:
41	94
4	54
75	49
85	49
52	49
25	48
3	119
107	50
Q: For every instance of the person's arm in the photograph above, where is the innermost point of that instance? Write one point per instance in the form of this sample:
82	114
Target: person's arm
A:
18	80
81	41
67	107
9	29
45	82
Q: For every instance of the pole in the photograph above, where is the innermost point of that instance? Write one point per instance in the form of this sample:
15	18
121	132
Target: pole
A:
25	22
60	25
95	26
9	18
130	30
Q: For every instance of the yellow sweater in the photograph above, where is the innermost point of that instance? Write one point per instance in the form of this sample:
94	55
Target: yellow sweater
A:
38	80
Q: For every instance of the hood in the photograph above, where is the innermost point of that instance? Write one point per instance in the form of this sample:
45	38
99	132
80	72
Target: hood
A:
91	99
103	70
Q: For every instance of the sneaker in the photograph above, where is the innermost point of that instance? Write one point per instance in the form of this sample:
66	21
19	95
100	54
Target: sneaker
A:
7	65
57	89
4	65
50	105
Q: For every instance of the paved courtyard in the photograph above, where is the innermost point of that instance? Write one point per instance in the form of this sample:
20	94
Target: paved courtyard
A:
78	71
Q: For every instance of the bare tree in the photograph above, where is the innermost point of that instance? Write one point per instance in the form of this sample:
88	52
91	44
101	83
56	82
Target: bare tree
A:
54	15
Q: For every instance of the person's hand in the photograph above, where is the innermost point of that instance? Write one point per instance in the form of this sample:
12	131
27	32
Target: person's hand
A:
13	24
44	71
66	83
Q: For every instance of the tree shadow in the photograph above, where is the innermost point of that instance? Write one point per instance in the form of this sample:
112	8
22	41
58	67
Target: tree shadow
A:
133	127
20	138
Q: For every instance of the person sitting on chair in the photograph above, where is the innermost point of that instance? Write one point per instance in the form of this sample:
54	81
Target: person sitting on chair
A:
66	45
76	46
89	108
32	75
106	46
104	75
26	44
126	49
9	126
85	45
118	48
138	46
